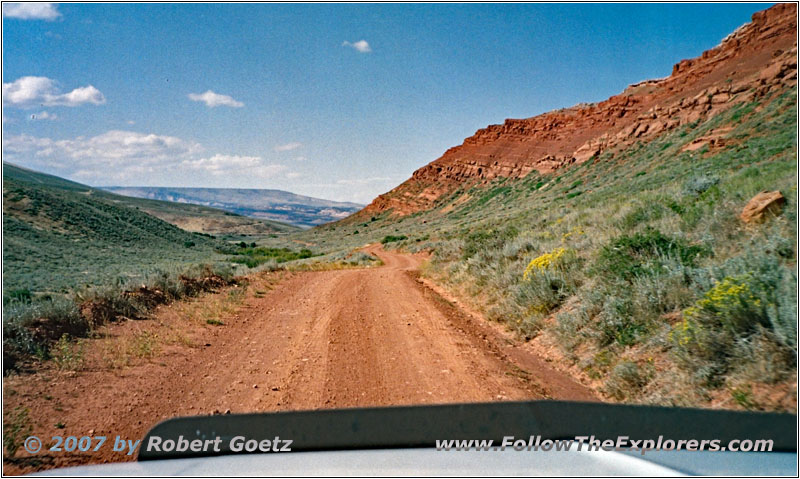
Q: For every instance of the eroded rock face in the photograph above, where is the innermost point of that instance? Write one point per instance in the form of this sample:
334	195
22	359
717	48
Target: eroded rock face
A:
762	206
754	59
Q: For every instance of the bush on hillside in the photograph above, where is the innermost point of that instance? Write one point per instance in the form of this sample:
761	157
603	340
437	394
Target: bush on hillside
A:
627	257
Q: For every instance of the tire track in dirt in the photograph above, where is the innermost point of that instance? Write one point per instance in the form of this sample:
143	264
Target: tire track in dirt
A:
327	339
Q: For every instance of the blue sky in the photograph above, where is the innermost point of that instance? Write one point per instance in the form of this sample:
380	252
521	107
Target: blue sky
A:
340	101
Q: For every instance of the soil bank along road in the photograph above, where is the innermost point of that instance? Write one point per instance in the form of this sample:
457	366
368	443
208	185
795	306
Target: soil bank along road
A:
327	339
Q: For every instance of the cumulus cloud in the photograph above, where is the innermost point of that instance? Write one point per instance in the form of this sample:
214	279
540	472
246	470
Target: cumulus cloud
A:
360	46
227	164
112	149
212	99
293	174
110	157
43	115
127	157
288	146
31	11
31	91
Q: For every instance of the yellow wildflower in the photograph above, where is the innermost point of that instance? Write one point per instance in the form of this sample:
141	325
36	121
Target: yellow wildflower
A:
545	261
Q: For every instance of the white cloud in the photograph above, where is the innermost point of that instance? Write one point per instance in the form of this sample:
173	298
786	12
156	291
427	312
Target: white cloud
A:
31	11
300	158
44	115
293	174
360	46
227	164
131	122
114	153
132	158
33	91
212	99
288	146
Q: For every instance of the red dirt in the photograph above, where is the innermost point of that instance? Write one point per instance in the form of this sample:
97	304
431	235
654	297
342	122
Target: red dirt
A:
329	339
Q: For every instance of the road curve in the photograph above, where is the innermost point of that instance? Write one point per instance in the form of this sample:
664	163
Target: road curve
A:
327	339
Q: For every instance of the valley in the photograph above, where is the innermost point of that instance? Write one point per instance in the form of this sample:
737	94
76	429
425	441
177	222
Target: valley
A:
642	250
272	205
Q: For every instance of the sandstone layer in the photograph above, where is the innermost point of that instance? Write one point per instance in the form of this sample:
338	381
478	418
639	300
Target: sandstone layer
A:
756	58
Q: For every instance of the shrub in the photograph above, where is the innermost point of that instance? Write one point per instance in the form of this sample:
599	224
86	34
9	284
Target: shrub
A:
699	184
18	295
559	258
627	257
393	238
487	239
110	304
644	213
30	329
252	257
517	247
33	329
361	258
625	380
730	305
547	282
568	328
752	303
543	292
619	324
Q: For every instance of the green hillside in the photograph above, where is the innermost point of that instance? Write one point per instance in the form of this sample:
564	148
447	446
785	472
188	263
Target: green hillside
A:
635	264
189	217
60	236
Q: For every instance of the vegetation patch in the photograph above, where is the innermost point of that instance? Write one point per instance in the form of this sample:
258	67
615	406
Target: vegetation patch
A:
627	257
47	328
256	256
393	238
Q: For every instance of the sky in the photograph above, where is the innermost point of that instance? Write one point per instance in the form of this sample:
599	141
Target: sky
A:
336	101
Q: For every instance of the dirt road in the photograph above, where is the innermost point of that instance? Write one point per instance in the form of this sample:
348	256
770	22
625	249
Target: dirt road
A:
341	338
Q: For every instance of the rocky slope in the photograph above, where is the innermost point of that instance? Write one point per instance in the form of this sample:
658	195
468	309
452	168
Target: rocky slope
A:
748	63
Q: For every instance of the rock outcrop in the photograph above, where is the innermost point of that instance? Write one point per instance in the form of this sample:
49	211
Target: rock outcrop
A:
748	63
762	205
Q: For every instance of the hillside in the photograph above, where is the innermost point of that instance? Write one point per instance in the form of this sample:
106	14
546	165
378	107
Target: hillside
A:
757	58
189	217
611	236
275	205
59	236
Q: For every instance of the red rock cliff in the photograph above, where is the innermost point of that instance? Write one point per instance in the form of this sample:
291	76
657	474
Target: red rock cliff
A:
755	58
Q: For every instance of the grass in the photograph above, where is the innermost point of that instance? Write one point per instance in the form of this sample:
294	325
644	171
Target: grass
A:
60	237
653	230
665	296
48	328
252	256
67	354
16	428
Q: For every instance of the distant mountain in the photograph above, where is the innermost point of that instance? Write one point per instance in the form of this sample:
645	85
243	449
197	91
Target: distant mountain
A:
189	217
273	205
